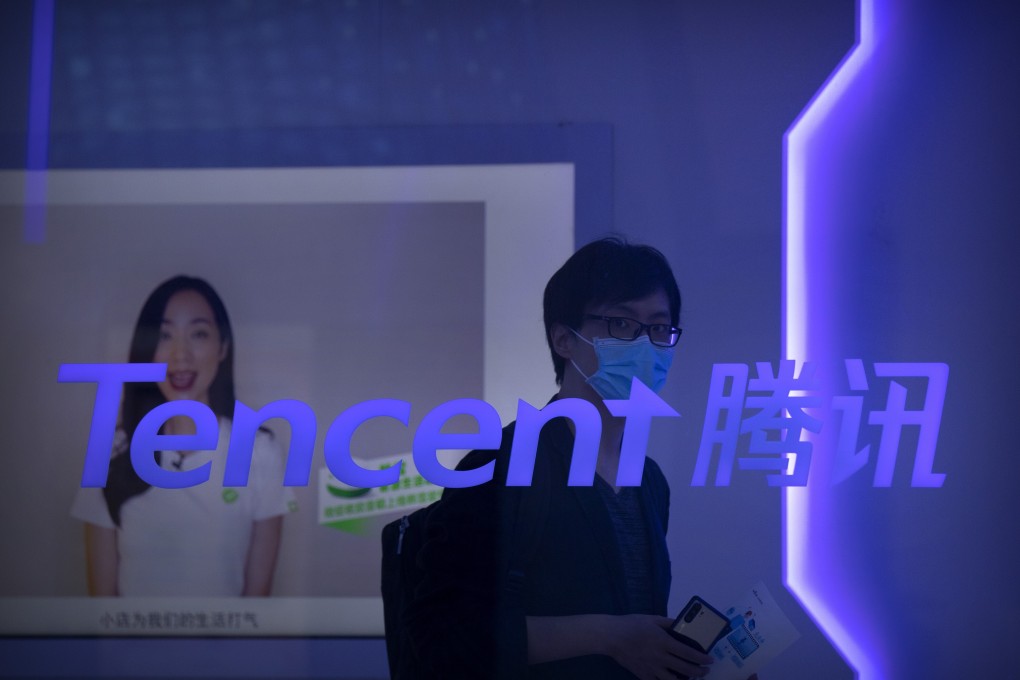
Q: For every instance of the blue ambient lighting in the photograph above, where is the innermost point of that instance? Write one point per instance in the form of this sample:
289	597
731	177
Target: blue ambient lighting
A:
38	121
808	510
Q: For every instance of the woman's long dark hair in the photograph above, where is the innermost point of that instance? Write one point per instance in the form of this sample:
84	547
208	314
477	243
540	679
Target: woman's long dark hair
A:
139	398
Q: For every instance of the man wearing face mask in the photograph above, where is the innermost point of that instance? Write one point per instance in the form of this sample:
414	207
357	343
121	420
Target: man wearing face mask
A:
553	581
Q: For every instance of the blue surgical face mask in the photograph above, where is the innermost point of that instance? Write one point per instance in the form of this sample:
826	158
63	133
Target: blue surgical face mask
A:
622	360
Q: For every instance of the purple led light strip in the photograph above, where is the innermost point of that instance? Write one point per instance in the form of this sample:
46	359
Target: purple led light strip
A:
807	509
38	121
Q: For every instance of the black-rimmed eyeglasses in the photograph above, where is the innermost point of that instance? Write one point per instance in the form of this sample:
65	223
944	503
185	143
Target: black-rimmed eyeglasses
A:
622	328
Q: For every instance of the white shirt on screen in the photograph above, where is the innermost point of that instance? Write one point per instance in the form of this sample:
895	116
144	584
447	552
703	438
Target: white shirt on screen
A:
192	541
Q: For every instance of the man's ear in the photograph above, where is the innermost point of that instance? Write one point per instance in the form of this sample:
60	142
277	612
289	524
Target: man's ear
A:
563	340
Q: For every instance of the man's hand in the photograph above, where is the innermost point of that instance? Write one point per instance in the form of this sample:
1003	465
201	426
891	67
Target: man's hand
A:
641	644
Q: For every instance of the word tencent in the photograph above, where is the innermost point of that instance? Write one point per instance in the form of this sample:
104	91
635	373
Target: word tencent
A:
638	411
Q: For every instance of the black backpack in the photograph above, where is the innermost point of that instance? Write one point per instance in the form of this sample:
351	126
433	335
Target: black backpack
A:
402	540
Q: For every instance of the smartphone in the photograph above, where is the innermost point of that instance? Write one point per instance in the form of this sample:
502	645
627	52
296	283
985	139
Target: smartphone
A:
700	625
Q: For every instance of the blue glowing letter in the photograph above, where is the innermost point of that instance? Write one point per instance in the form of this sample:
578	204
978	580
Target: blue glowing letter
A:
430	439
732	405
147	440
643	405
588	426
109	379
896	415
338	442
242	440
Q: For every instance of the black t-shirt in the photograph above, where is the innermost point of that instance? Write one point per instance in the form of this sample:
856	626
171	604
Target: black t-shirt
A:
464	622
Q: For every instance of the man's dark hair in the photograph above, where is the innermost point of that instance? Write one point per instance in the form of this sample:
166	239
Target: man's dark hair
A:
605	272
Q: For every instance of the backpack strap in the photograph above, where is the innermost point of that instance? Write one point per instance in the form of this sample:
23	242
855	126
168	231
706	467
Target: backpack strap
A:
529	509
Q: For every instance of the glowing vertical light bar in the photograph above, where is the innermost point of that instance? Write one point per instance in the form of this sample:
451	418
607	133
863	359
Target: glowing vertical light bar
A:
38	121
809	504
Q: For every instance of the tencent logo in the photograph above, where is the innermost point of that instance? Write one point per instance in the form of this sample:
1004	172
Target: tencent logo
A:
638	411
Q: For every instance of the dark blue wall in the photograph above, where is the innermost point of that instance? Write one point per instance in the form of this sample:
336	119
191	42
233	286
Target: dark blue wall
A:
697	96
917	238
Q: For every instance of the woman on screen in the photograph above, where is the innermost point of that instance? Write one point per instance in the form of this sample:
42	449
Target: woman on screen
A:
205	540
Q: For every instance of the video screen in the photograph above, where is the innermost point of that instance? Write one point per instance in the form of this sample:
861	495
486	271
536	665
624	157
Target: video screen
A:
337	286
